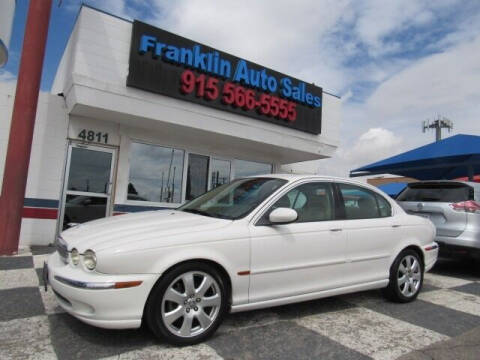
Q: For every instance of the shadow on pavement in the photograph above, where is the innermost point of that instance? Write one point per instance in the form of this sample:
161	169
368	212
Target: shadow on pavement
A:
462	268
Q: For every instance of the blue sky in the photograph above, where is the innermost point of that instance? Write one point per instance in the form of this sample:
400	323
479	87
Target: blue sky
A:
395	63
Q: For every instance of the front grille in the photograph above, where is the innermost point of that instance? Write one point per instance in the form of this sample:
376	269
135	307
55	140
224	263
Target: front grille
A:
62	249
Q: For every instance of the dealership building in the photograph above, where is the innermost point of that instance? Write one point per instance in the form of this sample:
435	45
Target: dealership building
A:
139	119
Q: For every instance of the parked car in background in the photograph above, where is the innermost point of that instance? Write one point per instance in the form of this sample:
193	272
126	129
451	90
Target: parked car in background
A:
454	209
253	243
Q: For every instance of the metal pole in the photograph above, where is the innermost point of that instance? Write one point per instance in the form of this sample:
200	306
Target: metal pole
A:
438	132
21	127
161	188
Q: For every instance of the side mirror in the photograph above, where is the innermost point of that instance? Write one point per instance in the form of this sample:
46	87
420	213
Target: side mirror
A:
282	216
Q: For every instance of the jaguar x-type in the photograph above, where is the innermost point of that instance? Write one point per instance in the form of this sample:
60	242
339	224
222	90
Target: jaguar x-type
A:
254	243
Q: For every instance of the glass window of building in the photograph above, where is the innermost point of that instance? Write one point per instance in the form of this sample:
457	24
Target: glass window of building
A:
155	173
197	176
249	168
89	171
220	172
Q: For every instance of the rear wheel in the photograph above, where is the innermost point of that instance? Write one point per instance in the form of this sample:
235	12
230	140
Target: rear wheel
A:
406	277
188	304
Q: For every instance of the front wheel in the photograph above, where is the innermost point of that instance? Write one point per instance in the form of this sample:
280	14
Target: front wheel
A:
187	305
406	277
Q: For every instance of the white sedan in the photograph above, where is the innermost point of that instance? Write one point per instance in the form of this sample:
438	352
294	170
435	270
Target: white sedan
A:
254	243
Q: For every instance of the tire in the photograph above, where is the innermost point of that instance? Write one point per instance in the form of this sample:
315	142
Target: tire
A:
173	314
406	277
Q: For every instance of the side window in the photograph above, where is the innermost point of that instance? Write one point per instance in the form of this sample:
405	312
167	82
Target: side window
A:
383	206
312	202
360	203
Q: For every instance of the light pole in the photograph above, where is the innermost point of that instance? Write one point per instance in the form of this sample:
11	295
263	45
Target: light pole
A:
21	127
438	125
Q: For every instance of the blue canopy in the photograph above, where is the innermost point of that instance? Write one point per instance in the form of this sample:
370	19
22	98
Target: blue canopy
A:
392	189
450	158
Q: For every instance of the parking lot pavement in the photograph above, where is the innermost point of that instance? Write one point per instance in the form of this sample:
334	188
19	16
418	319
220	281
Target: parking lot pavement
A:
443	323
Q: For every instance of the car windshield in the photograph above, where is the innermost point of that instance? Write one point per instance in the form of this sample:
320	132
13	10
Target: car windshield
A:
234	200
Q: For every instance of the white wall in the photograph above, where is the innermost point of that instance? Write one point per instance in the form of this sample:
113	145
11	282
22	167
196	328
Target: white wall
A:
46	159
48	149
7	93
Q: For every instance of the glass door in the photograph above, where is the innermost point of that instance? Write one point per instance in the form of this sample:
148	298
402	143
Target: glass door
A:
197	176
88	184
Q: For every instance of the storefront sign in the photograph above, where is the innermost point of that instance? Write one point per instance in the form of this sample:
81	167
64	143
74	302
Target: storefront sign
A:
171	65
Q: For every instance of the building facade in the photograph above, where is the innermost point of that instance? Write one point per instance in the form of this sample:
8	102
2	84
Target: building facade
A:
141	119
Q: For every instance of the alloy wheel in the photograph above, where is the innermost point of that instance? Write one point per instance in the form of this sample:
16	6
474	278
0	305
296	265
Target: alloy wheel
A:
191	303
409	276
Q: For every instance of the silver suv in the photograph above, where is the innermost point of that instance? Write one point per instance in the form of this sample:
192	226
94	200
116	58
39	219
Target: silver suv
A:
454	209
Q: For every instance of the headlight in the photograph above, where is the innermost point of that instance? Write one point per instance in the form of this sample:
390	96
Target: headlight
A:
89	259
75	256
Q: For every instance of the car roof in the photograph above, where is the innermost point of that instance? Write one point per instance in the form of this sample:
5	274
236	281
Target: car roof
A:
296	177
470	183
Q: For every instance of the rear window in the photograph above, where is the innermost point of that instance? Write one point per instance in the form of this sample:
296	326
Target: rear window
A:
445	192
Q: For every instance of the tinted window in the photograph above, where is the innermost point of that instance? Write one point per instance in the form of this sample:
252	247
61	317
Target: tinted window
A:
383	206
80	209
436	193
155	173
89	170
234	200
197	176
359	203
312	202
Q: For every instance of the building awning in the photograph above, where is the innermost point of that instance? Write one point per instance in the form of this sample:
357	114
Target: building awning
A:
453	157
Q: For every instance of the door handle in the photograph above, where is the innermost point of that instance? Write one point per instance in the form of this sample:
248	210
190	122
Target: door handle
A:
395	225
335	230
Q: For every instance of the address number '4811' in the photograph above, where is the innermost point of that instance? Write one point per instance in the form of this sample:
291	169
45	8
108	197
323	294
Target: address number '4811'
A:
90	135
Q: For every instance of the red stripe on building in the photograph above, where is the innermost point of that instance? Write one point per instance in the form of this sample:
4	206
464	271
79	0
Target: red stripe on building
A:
39	213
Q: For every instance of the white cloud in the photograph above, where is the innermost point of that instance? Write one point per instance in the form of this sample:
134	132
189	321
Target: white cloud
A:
275	34
444	83
372	145
6	76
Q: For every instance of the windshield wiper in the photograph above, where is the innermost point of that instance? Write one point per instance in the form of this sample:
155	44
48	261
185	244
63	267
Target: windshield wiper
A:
201	212
198	212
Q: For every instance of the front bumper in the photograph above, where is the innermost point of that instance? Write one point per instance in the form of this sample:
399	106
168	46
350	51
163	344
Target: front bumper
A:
99	304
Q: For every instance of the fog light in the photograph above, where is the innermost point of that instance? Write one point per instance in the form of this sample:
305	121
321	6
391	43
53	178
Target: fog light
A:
75	256
89	259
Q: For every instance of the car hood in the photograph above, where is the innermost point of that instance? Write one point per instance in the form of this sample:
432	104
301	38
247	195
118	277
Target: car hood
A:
146	229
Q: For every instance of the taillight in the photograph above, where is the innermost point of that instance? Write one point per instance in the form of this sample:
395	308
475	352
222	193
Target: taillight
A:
469	206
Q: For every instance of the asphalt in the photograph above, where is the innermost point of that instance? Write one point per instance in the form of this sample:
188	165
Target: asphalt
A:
465	346
462	347
443	323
